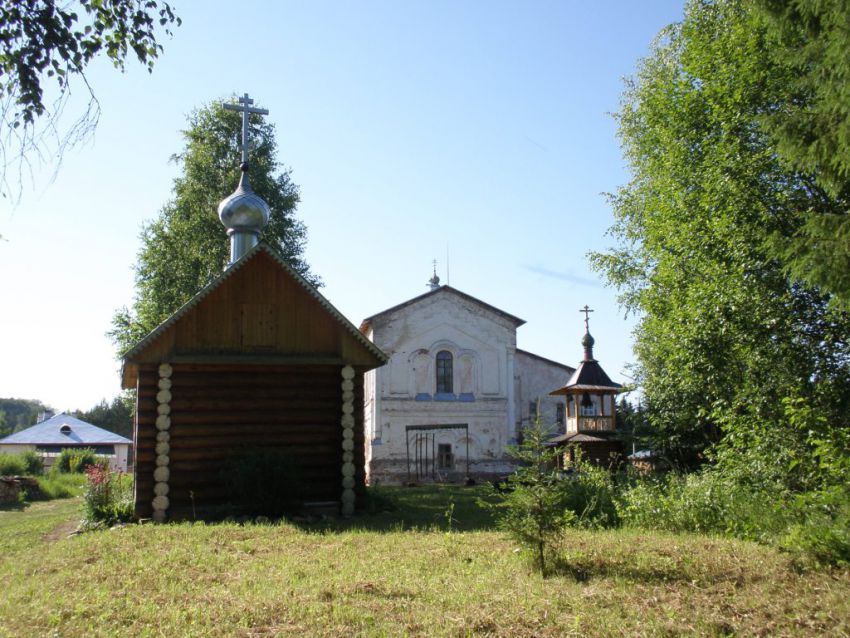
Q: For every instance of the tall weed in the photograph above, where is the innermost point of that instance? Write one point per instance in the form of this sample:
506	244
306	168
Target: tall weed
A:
108	497
55	485
590	494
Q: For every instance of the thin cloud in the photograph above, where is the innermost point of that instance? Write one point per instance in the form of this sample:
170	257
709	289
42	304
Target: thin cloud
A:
562	276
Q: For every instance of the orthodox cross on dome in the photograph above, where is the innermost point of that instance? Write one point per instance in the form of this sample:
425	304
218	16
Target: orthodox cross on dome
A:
245	107
586	310
434	282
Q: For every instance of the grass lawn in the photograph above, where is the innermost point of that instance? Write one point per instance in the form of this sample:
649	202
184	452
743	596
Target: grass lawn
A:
395	573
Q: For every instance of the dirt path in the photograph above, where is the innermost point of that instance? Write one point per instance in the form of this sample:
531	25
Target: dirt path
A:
62	530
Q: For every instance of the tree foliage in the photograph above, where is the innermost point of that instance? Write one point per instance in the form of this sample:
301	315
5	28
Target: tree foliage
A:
810	129
724	335
186	246
19	414
532	511
48	42
115	416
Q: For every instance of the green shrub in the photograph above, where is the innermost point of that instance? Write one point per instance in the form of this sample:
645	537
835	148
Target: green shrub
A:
34	463
12	464
75	460
677	503
706	502
822	534
590	493
108	497
57	485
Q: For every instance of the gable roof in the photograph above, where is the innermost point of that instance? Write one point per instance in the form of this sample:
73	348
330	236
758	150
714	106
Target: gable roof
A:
364	326
227	274
588	376
569	369
50	432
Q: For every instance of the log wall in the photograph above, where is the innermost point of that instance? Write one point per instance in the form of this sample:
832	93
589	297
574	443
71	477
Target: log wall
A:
219	411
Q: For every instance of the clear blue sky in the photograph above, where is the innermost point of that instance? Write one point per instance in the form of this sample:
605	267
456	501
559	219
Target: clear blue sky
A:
410	127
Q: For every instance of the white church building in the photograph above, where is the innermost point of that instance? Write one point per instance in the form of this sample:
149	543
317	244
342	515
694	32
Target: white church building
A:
455	391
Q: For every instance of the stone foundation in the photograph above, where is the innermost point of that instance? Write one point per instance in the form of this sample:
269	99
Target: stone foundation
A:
11	488
392	472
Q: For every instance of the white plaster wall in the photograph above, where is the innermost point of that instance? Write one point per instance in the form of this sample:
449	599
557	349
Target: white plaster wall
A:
119	460
536	377
15	448
482	344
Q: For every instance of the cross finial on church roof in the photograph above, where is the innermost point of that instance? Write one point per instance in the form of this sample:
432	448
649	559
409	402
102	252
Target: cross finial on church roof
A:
586	310
245	107
434	282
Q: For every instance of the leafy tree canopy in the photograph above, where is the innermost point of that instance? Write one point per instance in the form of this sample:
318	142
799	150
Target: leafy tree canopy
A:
44	40
186	246
724	335
810	129
116	416
19	414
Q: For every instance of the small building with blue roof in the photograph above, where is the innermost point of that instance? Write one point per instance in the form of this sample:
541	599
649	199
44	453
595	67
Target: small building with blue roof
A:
63	431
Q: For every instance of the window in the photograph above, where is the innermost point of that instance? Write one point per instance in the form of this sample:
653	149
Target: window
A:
445	384
532	411
559	414
588	407
445	458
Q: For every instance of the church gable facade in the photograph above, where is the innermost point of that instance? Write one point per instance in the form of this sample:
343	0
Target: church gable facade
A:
455	391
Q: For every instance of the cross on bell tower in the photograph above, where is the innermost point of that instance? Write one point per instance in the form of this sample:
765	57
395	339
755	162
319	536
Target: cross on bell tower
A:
245	107
587	341
586	310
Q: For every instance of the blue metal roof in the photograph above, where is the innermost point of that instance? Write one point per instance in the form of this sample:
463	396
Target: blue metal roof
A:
64	430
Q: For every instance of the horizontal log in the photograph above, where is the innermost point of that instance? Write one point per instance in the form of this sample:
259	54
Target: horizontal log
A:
304	454
251	417
256	378
213	469
219	488
325	444
269	369
324	392
190	430
243	403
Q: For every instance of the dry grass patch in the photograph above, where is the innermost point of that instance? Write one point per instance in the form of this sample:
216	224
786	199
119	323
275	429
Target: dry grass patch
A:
282	580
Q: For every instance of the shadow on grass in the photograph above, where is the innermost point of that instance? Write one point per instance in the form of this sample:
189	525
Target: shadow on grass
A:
455	507
13	506
641	567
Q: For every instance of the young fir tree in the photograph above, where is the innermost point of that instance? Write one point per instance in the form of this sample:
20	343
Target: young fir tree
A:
186	246
532	510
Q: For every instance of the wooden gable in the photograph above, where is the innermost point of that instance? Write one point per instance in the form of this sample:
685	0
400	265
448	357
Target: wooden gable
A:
258	311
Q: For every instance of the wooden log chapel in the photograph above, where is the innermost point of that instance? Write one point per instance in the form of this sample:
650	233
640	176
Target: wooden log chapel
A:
256	362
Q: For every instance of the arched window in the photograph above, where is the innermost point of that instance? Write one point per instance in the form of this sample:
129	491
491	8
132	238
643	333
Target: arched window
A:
445	384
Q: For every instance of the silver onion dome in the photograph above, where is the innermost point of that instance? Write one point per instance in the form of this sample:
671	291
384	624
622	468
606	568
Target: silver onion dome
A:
244	214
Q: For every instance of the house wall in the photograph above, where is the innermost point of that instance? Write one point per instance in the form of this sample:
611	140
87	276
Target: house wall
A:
535	379
403	392
494	386
15	448
220	411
